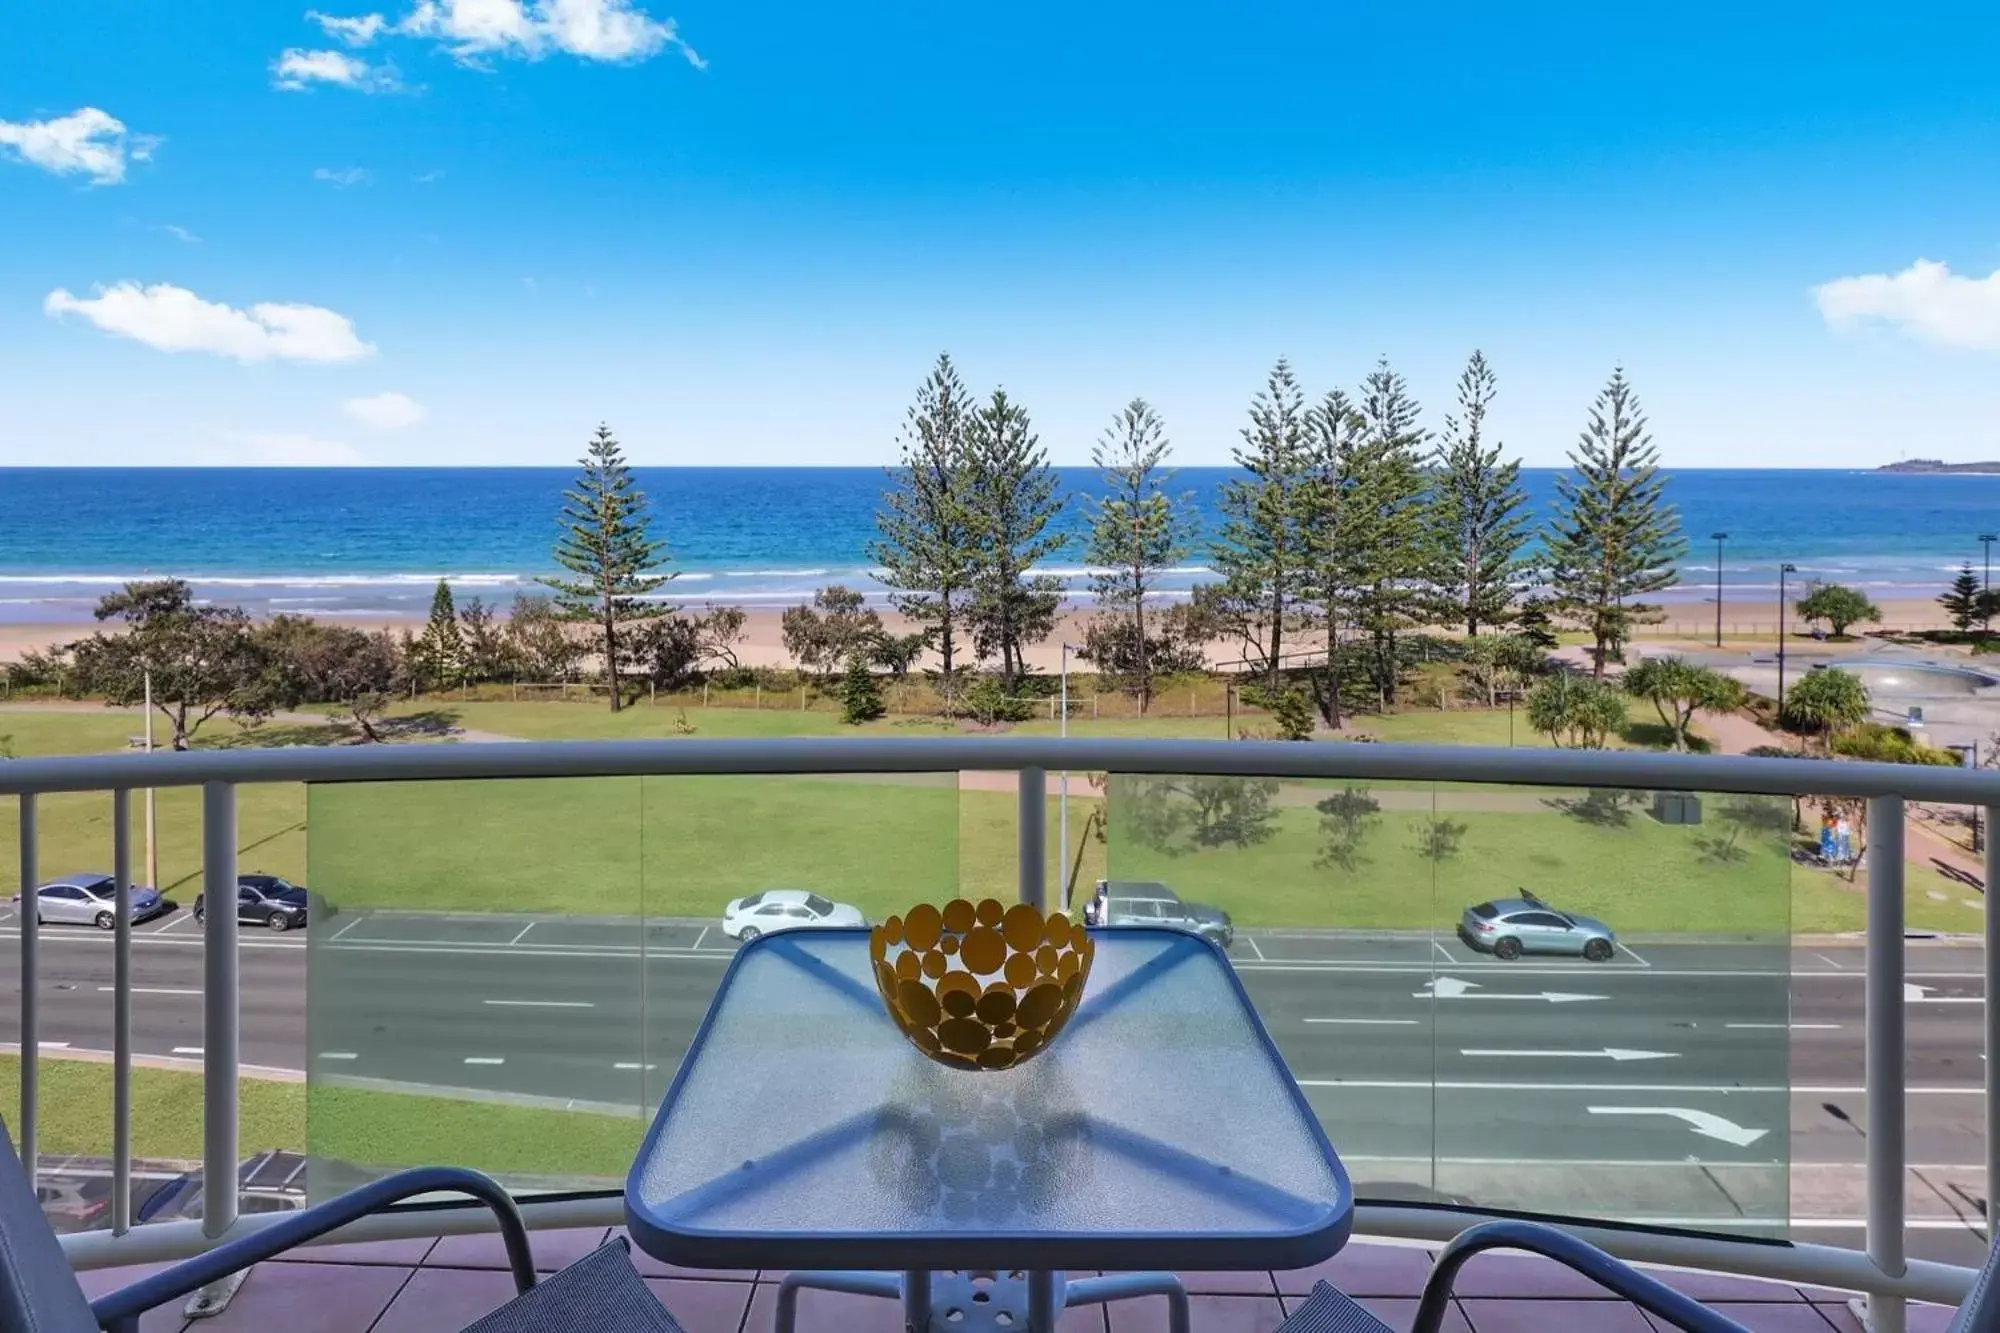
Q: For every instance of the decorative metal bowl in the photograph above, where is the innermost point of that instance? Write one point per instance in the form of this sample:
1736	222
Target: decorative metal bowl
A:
980	986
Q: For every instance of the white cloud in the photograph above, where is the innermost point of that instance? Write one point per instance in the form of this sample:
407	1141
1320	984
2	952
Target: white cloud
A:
385	411
342	178
86	142
607	30
174	319
1926	301
280	449
181	234
296	71
354	31
427	177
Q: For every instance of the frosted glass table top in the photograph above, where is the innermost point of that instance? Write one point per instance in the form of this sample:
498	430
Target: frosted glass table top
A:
1160	1130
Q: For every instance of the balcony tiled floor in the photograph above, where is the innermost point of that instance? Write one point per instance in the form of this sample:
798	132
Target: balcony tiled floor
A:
426	1286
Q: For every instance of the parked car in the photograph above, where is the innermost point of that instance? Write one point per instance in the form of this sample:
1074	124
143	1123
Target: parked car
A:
1134	902
91	899
1510	927
264	900
774	910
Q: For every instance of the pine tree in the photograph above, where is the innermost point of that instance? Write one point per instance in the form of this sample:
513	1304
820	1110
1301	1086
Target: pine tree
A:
1012	499
604	543
1138	530
1392	491
860	692
439	654
1962	601
925	547
1613	538
1337	531
1260	551
1478	510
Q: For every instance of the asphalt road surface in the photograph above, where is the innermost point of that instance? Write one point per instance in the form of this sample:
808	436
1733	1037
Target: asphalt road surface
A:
1711	1085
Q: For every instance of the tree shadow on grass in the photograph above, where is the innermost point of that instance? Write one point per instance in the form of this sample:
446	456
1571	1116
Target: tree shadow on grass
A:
1659	736
431	724
1601	808
276	735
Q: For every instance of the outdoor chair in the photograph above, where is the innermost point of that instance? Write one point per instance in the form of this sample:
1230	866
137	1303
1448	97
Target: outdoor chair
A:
1328	1310
601	1293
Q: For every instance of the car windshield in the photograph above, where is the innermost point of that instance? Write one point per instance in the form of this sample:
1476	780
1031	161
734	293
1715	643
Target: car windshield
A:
1486	911
820	906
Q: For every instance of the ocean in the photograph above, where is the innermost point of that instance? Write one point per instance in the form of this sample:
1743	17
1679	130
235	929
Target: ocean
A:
373	542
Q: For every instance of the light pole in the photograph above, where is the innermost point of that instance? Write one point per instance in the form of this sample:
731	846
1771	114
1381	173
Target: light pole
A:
152	849
1787	568
1062	789
1718	538
1986	539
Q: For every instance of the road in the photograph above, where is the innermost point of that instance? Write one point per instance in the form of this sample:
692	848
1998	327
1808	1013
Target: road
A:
1699	1084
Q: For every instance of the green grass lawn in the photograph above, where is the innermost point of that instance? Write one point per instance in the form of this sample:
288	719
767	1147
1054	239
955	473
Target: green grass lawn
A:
354	1125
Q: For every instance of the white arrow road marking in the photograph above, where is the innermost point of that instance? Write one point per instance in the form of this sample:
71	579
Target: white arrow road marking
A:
1915	994
1455	988
1705	1123
1608	1053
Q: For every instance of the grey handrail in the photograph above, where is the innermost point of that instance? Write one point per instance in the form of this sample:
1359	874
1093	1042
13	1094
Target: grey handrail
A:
1648	1293
1636	770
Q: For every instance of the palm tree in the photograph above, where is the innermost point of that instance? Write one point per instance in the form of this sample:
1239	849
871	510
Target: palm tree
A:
1576	711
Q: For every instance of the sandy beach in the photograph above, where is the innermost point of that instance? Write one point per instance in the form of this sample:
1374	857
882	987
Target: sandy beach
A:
1743	623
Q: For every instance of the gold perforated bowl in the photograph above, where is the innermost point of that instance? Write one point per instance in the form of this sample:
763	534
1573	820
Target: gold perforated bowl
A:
978	985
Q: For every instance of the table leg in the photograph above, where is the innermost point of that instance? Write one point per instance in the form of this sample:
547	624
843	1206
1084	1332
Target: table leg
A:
861	1284
1125	1286
916	1301
1042	1303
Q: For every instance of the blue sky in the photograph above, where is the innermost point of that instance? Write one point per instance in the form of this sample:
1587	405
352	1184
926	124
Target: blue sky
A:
740	232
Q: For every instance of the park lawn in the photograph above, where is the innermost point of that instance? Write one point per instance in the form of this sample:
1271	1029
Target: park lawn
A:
593	720
73	731
668	847
351	1124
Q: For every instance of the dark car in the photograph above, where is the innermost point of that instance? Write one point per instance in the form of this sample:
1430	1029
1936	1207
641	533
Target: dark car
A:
266	900
1132	902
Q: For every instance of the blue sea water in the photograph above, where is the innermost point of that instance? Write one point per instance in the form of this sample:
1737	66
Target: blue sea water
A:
373	541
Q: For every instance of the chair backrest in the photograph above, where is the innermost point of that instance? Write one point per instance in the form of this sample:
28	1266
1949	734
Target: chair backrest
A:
38	1289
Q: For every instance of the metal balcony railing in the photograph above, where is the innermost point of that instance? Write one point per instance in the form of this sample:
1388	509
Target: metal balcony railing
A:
1882	1269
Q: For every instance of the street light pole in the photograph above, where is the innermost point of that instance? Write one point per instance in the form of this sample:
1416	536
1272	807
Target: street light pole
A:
1062	797
1986	539
1784	569
1719	538
152	848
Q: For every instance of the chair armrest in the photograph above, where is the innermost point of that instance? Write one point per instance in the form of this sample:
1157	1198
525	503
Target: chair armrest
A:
267	1242
1648	1293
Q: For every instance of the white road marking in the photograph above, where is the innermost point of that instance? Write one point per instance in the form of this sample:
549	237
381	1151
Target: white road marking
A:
699	938
171	923
152	990
338	1055
627	1064
349	926
485	1060
1254	947
1816	1090
1829	962
1781	1027
1618	1054
187	1050
1443	952
524	933
1915	994
1635	955
541	1004
52	1045
1705	1123
1369	1022
1457	988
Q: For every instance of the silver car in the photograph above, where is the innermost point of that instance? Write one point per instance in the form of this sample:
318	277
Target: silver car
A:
91	900
1510	927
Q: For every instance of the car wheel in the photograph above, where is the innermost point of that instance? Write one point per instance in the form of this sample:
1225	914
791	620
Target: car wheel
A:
749	933
199	915
1507	948
279	922
1597	951
106	920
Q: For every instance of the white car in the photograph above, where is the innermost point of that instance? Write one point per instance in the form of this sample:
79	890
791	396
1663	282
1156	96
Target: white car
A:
774	910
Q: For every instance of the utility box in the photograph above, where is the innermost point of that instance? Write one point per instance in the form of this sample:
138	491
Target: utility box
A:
1676	807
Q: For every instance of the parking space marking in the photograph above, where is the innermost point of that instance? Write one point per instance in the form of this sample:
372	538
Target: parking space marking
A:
349	926
541	1004
338	1055
630	1064
1782	1027
486	1059
699	938
524	933
153	990
1251	940
1635	955
187	1050
1369	1022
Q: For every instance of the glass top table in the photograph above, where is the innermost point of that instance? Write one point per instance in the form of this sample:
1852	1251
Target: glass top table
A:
1161	1129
